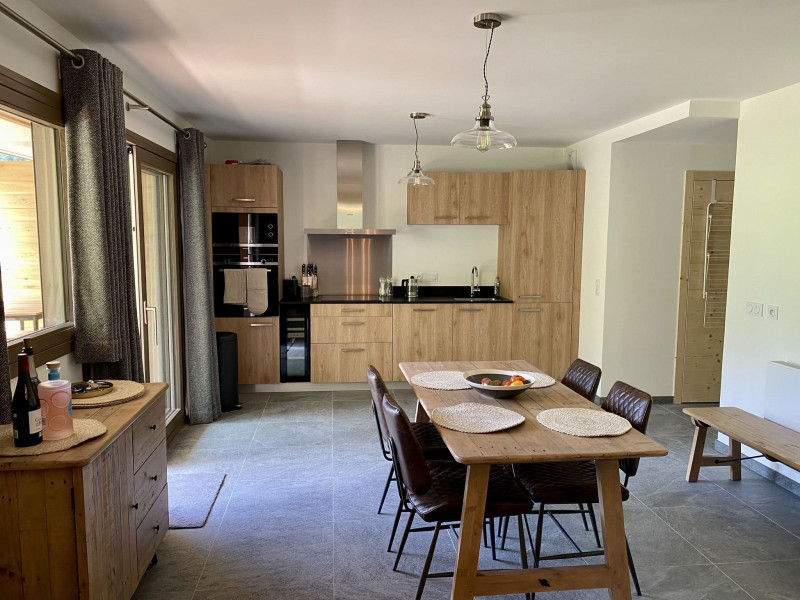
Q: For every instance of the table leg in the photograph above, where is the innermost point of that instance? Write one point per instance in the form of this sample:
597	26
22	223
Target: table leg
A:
420	416
696	456
614	542
735	451
469	542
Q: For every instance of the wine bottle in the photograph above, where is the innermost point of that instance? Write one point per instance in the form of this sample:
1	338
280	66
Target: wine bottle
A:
27	348
26	412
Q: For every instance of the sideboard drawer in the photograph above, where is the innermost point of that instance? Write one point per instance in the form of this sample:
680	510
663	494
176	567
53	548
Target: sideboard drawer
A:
152	530
149	480
149	430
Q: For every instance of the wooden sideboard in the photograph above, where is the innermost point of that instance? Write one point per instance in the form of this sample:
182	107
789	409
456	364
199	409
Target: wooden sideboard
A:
85	523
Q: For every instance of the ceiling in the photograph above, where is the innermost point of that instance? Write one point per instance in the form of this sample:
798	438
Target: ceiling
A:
322	70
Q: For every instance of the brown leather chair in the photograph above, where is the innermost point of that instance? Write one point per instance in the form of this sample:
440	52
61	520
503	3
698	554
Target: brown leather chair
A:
434	489
582	378
432	444
551	484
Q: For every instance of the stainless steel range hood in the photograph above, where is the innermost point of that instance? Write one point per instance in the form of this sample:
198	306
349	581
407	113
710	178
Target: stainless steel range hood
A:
350	193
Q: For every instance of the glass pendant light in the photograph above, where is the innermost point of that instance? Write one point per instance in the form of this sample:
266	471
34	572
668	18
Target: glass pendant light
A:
484	135
415	176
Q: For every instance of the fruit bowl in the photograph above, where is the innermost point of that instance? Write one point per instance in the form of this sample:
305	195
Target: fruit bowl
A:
473	379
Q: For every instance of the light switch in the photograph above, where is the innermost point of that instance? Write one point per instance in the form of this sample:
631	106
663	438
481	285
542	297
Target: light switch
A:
772	312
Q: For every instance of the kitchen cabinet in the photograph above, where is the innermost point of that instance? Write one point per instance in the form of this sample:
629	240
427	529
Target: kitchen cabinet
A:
259	348
459	199
347	338
542	336
421	332
245	187
86	522
482	331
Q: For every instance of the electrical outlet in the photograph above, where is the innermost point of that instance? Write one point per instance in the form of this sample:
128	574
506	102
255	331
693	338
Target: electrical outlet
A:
418	276
754	309
772	312
431	277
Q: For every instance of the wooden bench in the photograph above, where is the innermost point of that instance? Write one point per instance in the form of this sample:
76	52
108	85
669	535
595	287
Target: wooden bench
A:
776	442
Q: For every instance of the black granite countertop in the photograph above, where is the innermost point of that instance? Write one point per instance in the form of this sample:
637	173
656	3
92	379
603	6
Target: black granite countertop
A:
427	295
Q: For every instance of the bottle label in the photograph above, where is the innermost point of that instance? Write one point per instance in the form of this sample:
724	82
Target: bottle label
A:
35	421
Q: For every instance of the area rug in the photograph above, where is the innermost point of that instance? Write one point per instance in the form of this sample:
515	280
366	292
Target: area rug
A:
191	498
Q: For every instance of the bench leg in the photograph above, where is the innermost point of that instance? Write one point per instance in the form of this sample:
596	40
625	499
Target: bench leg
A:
735	451
696	456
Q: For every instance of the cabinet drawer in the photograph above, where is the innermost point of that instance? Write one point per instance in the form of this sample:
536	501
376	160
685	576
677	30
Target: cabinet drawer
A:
328	330
348	362
351	310
149	480
149	430
152	530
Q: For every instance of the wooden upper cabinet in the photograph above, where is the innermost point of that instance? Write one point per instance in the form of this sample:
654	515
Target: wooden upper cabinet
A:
484	199
245	186
536	258
435	204
460	199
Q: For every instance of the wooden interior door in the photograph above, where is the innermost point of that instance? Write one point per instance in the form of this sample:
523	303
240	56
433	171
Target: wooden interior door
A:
705	254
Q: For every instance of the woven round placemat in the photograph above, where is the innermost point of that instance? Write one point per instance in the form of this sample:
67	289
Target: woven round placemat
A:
583	422
471	417
84	429
124	391
540	380
441	380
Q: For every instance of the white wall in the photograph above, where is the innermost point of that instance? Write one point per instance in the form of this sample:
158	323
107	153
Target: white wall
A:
765	250
27	55
643	253
309	191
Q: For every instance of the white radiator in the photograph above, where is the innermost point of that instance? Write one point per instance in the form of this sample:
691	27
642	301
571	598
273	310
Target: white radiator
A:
782	396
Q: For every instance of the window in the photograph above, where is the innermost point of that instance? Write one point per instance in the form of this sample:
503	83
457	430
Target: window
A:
33	255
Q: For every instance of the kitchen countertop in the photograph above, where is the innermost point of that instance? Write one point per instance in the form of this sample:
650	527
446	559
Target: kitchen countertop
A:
427	295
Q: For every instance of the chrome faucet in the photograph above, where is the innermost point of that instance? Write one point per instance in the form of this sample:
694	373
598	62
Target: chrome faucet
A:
474	288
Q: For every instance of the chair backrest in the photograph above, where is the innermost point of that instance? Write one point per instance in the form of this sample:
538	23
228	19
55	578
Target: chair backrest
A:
410	463
378	389
633	404
583	378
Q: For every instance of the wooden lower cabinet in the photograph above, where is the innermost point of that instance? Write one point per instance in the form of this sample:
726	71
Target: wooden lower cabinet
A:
259	347
482	332
85	523
542	334
421	332
348	362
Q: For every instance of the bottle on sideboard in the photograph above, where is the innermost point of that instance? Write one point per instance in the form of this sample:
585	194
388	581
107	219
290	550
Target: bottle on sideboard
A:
26	412
27	348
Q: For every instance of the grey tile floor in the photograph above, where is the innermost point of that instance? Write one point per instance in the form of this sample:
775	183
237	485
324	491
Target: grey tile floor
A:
296	518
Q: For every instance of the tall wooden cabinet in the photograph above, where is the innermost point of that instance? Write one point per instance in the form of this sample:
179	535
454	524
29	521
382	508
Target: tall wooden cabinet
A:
539	265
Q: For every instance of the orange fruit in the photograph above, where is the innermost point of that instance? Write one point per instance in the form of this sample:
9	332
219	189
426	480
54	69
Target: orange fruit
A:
516	382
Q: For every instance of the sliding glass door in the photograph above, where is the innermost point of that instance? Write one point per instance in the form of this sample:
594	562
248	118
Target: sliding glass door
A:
157	268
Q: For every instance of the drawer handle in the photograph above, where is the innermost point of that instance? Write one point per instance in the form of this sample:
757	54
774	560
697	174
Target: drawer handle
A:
354	323
470	309
135	506
243	199
157	528
353	349
525	297
530	310
154	478
486	218
442	217
153	427
262	324
352	310
424	310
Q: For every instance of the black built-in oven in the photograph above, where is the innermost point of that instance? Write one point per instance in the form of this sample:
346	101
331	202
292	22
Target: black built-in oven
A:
244	241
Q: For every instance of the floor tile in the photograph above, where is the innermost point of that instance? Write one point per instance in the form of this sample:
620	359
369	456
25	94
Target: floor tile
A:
298	410
299	396
279	434
779	580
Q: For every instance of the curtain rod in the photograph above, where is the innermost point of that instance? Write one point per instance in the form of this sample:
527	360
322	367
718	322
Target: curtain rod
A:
77	60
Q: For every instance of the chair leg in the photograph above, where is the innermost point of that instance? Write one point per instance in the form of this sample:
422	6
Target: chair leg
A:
523	551
583	516
403	540
528	527
424	575
485	536
539	526
389	480
594	526
491	536
632	568
505	533
394	527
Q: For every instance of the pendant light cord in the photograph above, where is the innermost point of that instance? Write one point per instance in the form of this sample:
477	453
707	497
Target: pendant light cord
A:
485	60
416	142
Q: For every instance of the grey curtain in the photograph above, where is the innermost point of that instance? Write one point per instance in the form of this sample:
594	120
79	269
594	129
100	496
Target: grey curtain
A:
5	389
103	286
202	370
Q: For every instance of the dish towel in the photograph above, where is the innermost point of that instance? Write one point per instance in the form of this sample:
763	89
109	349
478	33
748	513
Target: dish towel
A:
235	291
257	290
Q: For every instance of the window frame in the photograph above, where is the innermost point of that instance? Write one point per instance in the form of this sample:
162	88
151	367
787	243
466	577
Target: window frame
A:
29	100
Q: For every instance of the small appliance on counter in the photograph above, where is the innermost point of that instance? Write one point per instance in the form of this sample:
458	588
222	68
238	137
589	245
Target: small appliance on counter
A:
411	287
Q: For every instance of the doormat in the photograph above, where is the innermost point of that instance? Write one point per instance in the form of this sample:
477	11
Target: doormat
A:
191	498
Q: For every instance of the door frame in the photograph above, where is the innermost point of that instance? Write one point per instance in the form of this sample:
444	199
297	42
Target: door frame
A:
683	289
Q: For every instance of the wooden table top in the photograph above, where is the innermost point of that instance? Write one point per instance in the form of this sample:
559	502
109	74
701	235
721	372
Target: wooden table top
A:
529	442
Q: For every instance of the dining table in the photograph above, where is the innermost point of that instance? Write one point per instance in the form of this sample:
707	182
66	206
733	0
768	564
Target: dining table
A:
526	443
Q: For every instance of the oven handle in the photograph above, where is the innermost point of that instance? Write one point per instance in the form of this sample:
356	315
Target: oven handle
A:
246	264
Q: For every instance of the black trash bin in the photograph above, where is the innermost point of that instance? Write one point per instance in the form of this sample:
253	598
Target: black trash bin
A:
227	358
